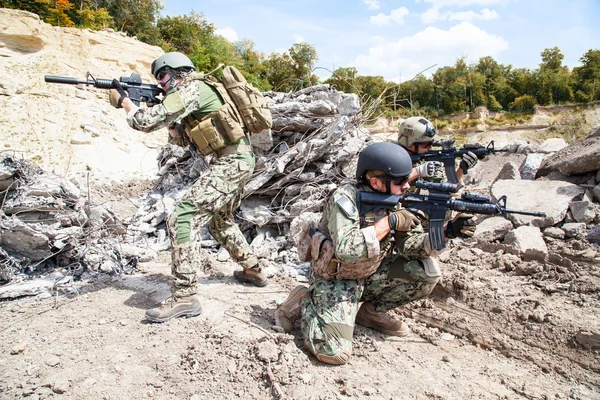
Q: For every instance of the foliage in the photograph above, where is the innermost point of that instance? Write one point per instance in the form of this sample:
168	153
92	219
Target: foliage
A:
451	89
292	70
523	103
95	19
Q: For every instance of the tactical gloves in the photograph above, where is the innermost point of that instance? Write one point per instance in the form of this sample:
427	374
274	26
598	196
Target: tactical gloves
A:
117	94
463	225
428	169
469	160
403	221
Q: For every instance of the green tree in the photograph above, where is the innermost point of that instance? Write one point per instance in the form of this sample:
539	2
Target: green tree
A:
370	87
344	79
552	59
95	19
136	17
279	69
186	33
587	76
252	66
553	79
291	71
304	57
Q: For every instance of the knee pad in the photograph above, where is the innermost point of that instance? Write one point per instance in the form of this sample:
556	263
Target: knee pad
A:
431	267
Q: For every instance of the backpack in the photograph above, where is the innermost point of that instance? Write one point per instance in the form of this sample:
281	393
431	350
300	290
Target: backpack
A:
249	101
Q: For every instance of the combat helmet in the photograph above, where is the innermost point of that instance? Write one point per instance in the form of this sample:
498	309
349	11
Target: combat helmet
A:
415	130
173	60
388	157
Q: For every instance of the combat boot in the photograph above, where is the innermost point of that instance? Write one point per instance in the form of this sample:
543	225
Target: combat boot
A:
382	322
289	311
336	359
173	307
254	276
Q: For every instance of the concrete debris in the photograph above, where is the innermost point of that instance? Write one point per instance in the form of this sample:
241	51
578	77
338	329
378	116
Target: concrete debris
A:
46	222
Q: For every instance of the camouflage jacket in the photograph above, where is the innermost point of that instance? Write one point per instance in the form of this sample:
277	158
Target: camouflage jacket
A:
197	97
355	242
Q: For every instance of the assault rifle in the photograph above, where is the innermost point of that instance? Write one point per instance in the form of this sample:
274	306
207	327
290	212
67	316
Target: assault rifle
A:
435	204
138	91
449	153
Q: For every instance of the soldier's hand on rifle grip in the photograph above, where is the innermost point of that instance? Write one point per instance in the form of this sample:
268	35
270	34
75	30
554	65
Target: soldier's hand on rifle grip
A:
429	168
403	221
469	160
463	225
117	94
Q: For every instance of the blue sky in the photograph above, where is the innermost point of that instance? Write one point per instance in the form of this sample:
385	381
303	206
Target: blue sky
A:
398	39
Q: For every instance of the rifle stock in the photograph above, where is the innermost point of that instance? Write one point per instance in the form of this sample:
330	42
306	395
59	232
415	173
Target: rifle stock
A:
436	203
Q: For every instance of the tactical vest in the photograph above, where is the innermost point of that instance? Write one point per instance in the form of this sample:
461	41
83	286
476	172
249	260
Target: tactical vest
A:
245	110
316	246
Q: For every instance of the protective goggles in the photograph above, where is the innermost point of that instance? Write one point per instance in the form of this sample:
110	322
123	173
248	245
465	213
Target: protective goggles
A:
162	74
429	129
397	181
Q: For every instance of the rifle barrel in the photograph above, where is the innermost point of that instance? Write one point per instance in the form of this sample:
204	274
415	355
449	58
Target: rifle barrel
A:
523	212
63	79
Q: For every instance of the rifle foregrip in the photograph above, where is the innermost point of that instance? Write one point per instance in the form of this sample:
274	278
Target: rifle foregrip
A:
479	208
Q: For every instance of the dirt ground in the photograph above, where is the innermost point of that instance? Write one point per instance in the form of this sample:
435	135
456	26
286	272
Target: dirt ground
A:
496	327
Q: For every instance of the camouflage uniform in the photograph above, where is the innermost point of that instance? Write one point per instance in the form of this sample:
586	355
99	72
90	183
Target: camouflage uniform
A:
212	198
329	311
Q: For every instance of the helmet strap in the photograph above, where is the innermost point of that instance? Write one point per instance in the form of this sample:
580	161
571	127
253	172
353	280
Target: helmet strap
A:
388	186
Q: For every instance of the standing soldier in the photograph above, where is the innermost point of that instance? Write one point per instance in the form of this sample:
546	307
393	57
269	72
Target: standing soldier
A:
354	259
192	110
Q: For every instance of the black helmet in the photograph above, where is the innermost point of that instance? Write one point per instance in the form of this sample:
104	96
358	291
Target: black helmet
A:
384	156
173	60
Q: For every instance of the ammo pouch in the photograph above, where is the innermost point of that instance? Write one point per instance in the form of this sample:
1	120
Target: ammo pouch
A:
215	131
318	249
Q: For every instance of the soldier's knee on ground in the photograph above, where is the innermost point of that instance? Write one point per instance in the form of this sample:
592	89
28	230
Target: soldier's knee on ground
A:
433	274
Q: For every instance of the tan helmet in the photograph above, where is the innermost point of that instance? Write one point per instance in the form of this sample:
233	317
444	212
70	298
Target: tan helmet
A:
174	60
415	130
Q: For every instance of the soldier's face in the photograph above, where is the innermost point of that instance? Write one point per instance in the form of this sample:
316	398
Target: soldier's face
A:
397	186
423	147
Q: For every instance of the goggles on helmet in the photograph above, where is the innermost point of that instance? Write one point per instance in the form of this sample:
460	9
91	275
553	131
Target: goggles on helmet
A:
429	129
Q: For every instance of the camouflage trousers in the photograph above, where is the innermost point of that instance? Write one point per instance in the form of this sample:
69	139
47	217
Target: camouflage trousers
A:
211	200
329	311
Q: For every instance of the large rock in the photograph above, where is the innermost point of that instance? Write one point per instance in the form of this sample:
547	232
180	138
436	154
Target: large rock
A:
551	197
527	239
578	158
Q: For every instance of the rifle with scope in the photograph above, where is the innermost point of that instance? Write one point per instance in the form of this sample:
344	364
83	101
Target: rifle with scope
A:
436	203
449	153
138	91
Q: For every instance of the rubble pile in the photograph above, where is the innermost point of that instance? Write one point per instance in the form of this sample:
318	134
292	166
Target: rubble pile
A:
311	149
46	222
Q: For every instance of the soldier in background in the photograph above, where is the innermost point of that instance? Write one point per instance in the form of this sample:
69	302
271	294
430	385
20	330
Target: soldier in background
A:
359	261
416	135
214	195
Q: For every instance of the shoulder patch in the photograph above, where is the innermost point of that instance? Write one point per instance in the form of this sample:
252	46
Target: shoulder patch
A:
346	206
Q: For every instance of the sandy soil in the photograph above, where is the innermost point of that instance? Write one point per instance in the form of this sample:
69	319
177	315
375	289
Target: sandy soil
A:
495	327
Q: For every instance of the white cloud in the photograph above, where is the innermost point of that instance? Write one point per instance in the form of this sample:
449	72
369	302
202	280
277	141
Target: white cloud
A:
463	3
396	16
410	55
228	33
372	4
434	14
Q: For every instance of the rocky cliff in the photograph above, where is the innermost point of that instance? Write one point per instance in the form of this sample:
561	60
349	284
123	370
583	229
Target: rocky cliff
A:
71	129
